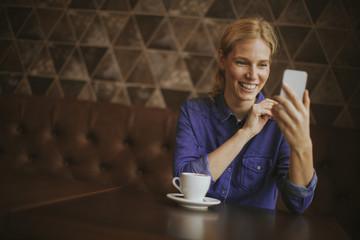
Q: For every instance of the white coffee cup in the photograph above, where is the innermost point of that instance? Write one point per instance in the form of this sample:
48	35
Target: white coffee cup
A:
194	186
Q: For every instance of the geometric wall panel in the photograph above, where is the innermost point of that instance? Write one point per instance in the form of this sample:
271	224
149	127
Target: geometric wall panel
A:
17	17
71	88
221	9
161	62
294	37
296	13
5	29
39	85
43	64
334	16
48	18
182	28
31	29
95	34
62	31
60	53
8	82
327	91
348	55
129	35
332	40
11	61
256	8
161	52
162	39
107	69
80	21
348	80
177	77
311	51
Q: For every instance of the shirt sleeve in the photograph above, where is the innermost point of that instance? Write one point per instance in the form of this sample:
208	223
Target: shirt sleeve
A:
296	198
301	191
189	155
202	165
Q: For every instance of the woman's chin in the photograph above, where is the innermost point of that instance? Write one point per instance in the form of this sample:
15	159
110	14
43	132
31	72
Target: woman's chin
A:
247	96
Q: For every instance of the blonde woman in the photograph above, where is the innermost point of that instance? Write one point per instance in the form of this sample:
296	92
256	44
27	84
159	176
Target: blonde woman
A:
248	144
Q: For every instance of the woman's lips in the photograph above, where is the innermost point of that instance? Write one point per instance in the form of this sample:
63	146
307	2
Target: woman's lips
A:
248	86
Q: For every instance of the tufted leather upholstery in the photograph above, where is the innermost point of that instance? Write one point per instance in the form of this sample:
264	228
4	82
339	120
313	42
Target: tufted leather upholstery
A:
133	147
99	142
337	162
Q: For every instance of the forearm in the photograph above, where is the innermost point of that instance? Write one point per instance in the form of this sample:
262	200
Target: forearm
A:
301	169
220	158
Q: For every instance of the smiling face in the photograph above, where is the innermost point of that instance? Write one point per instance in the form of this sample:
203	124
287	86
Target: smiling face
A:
247	68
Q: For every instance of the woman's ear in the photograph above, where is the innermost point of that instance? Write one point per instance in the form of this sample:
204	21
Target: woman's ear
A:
221	59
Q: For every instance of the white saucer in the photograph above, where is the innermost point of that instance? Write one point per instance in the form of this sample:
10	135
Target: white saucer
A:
179	198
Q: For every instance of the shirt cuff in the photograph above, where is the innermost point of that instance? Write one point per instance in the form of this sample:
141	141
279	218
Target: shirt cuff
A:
201	165
302	191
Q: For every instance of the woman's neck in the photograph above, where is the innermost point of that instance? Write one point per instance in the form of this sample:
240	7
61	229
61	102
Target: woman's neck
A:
238	107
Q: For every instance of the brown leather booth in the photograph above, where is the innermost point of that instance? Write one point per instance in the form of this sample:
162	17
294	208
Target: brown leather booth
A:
106	145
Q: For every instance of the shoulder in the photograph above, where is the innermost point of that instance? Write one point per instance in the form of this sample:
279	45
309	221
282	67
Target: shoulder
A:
205	106
198	104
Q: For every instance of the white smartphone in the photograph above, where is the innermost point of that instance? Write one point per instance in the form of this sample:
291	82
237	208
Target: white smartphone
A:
296	80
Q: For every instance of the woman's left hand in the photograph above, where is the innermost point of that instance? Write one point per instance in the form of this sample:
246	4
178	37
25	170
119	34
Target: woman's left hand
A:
293	117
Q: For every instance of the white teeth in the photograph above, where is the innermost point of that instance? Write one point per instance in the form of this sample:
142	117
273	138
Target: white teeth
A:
248	86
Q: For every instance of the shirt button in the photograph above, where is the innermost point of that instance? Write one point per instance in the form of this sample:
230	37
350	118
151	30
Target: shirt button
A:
229	169
224	192
258	167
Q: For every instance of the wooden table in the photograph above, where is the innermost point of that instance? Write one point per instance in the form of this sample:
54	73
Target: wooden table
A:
125	214
22	191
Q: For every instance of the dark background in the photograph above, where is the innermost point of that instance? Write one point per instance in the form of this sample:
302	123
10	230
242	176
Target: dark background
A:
160	52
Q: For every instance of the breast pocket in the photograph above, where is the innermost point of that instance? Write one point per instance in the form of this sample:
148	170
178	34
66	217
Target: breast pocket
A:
253	172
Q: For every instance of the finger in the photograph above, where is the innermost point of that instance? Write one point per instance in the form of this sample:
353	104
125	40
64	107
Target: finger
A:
288	106
268	103
306	100
264	108
265	118
282	118
292	96
266	112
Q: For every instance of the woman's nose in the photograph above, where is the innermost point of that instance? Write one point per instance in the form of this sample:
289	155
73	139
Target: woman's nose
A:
251	73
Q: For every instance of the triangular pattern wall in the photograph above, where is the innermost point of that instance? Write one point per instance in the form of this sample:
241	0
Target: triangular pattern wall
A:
161	52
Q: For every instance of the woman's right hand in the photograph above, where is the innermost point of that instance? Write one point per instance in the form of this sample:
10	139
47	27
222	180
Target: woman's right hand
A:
259	114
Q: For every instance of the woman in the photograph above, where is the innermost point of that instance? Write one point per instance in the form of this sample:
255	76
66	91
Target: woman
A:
250	146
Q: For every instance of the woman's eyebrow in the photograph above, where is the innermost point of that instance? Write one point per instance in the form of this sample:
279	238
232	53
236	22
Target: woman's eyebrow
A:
240	57
246	59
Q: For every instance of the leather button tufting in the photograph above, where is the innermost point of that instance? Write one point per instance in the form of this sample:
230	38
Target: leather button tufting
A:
55	133
91	138
127	142
20	129
103	166
66	162
140	171
165	146
32	157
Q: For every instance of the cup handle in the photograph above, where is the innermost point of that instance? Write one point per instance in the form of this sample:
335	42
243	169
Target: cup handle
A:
175	184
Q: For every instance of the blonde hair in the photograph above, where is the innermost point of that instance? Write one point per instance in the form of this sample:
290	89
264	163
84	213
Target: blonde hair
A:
242	29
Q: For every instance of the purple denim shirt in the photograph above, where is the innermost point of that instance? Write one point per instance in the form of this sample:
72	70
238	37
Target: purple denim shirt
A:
254	177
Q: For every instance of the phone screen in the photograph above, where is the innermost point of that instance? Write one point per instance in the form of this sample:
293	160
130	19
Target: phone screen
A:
296	80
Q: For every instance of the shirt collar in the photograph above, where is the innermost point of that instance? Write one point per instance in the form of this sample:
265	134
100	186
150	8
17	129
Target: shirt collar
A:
223	109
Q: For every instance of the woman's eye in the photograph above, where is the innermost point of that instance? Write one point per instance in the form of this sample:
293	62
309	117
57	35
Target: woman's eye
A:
263	65
240	62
